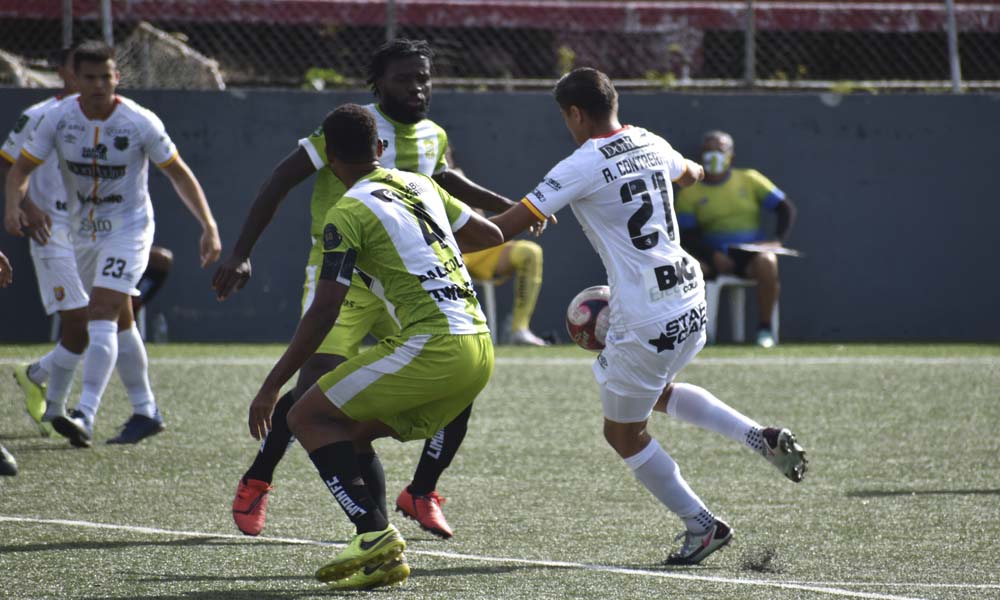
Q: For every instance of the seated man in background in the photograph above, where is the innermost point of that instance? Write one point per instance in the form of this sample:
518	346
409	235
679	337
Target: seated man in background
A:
724	209
521	259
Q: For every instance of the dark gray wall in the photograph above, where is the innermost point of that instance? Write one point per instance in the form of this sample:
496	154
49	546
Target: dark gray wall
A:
896	195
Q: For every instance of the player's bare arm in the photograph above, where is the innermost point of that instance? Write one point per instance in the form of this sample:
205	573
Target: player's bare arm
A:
235	270
187	187
515	220
6	271
478	233
16	219
693	173
312	328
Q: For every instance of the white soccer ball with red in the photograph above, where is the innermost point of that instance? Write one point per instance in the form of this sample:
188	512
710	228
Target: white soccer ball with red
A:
587	317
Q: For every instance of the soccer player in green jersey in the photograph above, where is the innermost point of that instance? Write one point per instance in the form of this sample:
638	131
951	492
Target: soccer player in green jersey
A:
405	232
400	77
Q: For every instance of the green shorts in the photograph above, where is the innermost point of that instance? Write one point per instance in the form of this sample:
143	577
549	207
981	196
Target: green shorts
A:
415	384
361	313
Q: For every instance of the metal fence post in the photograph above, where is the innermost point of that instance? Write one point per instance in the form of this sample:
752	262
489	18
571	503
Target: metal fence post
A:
954	63
67	23
106	23
749	59
390	20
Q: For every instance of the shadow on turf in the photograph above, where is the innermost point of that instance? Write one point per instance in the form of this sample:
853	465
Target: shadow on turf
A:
891	493
59	546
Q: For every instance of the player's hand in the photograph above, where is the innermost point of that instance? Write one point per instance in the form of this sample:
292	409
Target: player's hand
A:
13	221
232	274
722	262
260	412
538	228
6	272
36	222
697	171
210	246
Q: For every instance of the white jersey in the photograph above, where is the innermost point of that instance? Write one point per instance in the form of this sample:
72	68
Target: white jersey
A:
107	164
619	189
46	187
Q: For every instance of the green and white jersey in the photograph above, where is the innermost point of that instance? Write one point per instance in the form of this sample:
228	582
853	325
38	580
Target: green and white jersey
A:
396	227
417	148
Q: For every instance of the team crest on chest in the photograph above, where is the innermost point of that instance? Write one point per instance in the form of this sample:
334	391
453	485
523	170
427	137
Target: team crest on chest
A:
121	142
430	148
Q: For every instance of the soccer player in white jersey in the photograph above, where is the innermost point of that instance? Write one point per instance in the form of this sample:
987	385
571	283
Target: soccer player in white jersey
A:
52	254
400	76
405	232
618	185
105	143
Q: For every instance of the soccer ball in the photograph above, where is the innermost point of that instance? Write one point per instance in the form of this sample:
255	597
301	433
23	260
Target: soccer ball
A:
587	317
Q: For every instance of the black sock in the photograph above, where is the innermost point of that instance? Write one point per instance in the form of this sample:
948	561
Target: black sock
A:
338	466
374	476
437	454
275	444
150	283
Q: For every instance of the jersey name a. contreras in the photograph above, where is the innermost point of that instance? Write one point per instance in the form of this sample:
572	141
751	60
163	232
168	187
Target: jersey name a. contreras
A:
619	188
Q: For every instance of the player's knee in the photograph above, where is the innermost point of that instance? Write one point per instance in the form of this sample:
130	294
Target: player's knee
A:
161	259
627	439
525	252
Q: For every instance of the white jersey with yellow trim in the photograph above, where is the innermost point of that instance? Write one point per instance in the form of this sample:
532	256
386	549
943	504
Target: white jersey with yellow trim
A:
107	162
619	189
45	187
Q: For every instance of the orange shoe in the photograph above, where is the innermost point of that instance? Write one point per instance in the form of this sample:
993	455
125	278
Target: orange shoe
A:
425	510
250	505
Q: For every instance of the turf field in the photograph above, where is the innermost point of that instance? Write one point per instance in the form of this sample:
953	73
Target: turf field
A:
902	499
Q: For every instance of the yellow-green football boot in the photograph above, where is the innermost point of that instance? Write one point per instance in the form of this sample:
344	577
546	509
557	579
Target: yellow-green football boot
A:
371	549
368	577
34	398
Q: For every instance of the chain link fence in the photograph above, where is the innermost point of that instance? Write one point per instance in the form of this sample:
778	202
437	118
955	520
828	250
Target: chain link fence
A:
842	46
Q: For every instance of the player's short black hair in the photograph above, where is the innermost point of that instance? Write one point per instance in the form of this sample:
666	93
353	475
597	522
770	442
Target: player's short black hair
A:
92	51
351	134
718	134
395	50
589	90
57	58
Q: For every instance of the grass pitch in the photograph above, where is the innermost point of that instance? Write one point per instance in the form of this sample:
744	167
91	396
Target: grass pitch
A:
902	499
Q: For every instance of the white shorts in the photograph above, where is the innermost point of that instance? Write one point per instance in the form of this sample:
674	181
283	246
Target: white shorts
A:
58	245
59	284
114	263
635	367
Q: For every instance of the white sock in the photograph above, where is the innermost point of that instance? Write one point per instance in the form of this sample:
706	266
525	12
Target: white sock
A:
698	406
39	370
133	368
62	366
654	469
98	363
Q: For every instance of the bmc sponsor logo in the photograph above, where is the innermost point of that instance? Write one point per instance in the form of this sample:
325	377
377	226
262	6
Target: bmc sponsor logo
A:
98	152
620	146
98	171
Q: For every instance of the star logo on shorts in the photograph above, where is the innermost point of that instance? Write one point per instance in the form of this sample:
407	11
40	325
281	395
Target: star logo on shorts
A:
664	342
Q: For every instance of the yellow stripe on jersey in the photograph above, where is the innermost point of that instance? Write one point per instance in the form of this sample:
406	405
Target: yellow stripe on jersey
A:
7	157
532	208
33	159
170	160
